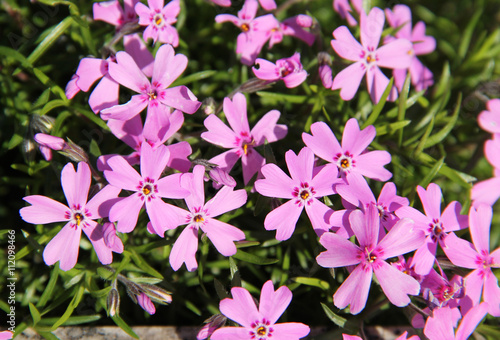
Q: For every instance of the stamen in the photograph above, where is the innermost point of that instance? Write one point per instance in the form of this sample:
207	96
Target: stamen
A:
245	27
198	218
146	190
304	194
78	218
344	163
261	330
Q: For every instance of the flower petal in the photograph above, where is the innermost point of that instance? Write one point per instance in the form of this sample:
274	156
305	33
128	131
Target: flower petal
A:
181	98
345	45
241	308
126	72
339	252
76	184
44	210
125	111
354	290
184	249
348	80
371	165
275	184
395	284
63	247
472	319
460	252
168	66
401	239
153	162
283	219
95	235
126	212
223	236
371	26
322	142
122	174
290	330
266	129
355	140
226	200
274	303
479	225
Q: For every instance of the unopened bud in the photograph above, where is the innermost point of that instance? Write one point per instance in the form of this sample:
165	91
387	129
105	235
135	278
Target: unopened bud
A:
113	302
221	177
74	152
158	294
208	106
211	324
145	302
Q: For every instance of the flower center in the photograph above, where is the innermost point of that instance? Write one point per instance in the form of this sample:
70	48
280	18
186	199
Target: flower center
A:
158	20
245	27
152	95
78	216
436	228
261	330
345	163
304	194
147	189
198	218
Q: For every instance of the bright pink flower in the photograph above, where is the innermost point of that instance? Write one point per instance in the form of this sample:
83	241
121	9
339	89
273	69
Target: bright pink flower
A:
421	76
131	133
368	57
47	143
403	336
90	70
147	188
439	292
352	156
434	224
440	325
113	13
489	120
254	31
305	186
488	191
145	302
287	69
223	3
259	324
155	95
202	215
79	213
240	139
159	20
6	335
211	324
370	257
477	257
111	240
295	27
358	193
325	69
343	8
268	5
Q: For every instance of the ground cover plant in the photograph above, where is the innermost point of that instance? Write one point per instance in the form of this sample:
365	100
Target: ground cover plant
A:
257	169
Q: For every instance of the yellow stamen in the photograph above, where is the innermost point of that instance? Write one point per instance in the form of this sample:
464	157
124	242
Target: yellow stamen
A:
245	27
304	195
344	163
261	330
78	218
198	218
146	190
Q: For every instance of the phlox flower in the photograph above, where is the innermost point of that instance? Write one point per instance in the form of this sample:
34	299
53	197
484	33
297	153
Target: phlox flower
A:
113	13
295	27
325	69
400	18
358	193
343	8
145	302
370	258
434	224
131	133
239	138
79	213
403	336
439	292
477	257
254	31
489	119
89	70
202	215
369	57
111	240
259	323
488	191
159	20
287	69
210	325
352	156
47	143
154	95
147	188
303	188
6	335
440	325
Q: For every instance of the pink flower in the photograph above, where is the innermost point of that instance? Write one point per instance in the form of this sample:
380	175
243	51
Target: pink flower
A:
421	76
111	240
254	31
403	336
241	140
259	323
223	3
294	26
489	120
477	256
439	292
343	8
352	156
440	325
368	57
154	95
303	189
90	70
147	188
112	13
358	193
435	225
145	302
79	213
370	257
287	69
6	335
325	69
131	133
47	143
202	215
488	191
159	20
268	5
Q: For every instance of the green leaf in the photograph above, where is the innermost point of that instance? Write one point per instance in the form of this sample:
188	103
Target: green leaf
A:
250	258
338	320
379	106
91	116
441	134
391	128
72	305
466	35
11	53
143	265
52	105
35	314
403	96
311	281
194	77
14	141
49	288
192	308
42	99
285	98
434	171
423	139
74	320
124	326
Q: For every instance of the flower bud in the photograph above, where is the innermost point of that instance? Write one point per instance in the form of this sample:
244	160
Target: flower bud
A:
113	302
156	293
145	302
211	324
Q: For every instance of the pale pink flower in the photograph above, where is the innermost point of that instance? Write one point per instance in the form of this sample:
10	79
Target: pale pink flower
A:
155	95
295	27
113	13
421	76
223	3
439	292
159	20
259	323
434	224
111	240
239	138
477	257
440	325
403	336
6	335
47	143
488	191
325	69
304	188
352	156
287	69
79	213
369	57
254	31
343	8
148	189
370	257
489	119
145	302
202	215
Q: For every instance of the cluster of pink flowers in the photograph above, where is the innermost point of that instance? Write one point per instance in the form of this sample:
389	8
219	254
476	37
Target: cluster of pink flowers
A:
363	236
